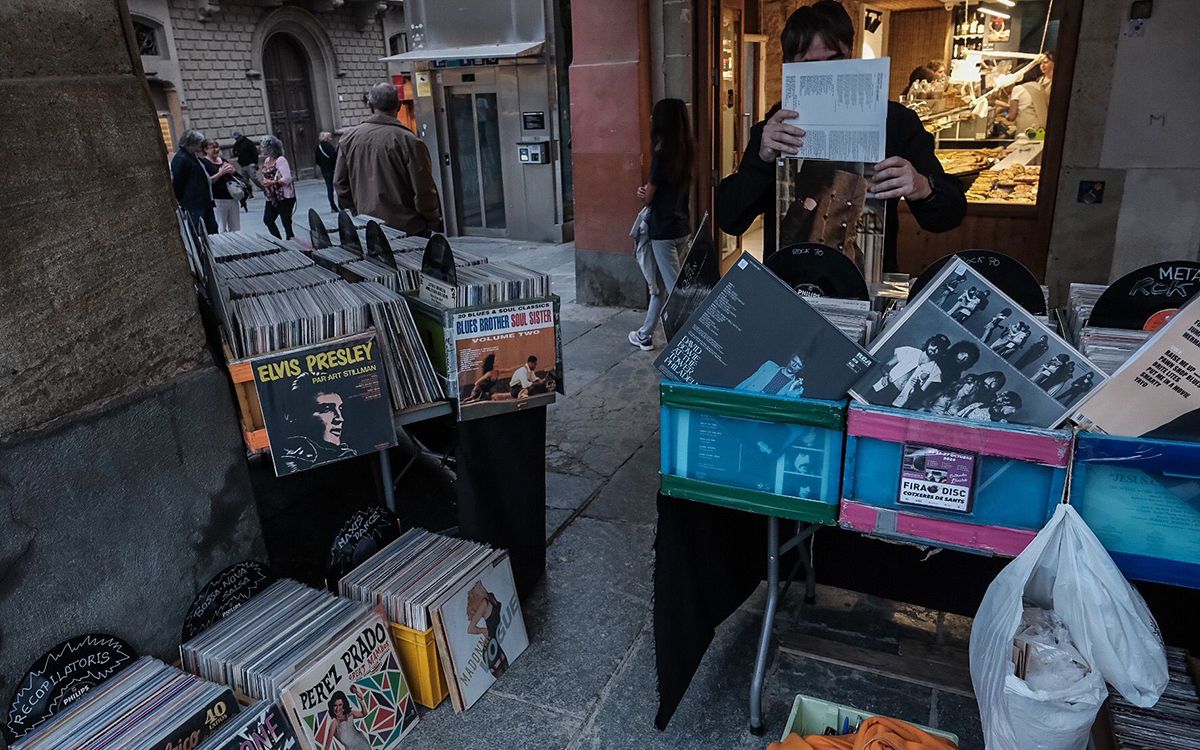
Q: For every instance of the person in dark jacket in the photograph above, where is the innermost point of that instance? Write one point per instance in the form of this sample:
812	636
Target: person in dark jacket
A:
326	160
190	181
824	31
245	153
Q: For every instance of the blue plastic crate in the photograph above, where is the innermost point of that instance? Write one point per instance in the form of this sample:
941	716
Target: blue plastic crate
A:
763	454
1141	497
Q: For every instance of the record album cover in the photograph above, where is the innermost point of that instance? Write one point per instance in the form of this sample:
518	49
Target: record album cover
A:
355	697
754	333
1156	393
261	726
505	358
962	348
324	403
480	630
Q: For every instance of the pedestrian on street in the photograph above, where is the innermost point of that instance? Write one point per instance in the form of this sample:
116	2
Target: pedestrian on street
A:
221	176
326	159
190	182
277	187
245	153
383	169
665	194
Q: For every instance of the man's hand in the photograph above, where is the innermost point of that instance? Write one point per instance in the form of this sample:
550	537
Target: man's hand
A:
896	177
779	138
641	192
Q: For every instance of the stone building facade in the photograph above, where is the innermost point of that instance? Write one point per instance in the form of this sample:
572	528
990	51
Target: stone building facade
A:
292	69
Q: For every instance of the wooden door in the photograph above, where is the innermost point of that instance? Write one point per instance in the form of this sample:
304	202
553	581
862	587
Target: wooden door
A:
290	101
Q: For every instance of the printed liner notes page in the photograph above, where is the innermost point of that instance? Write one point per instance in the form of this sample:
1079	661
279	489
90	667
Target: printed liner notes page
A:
842	106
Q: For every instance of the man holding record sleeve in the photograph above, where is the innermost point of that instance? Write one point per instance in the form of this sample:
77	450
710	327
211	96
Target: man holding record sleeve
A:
824	31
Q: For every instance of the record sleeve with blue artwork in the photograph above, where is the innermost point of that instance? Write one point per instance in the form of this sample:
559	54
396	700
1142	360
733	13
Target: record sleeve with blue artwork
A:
755	334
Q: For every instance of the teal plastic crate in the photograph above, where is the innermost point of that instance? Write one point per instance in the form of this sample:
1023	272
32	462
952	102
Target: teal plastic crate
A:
812	715
762	454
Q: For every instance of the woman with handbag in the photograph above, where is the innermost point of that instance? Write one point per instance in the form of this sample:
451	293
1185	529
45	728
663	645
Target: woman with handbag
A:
225	182
277	187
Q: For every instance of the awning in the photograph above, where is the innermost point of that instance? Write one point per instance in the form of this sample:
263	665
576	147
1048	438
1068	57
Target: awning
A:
513	49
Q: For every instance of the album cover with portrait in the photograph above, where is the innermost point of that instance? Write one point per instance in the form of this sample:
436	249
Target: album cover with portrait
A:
324	403
353	697
962	348
479	629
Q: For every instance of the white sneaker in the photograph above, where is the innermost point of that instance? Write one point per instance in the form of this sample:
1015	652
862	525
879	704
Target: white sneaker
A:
636	339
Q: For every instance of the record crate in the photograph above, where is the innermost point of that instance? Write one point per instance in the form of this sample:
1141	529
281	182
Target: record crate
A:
419	660
254	429
749	451
1141	497
811	716
949	482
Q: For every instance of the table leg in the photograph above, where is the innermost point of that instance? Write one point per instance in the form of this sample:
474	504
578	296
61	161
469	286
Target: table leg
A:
764	640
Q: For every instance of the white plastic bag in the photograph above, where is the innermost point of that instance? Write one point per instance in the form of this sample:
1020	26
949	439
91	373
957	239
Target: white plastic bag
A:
1067	570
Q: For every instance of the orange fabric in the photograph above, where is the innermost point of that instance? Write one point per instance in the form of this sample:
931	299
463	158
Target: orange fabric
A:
877	733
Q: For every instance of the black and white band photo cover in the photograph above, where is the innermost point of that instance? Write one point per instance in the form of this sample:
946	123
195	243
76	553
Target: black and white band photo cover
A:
963	349
324	403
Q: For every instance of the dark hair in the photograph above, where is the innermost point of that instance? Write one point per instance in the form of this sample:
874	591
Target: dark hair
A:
1006	311
671	139
338	695
994	374
827	19
531	358
489	362
1011	397
940	339
921	73
948	361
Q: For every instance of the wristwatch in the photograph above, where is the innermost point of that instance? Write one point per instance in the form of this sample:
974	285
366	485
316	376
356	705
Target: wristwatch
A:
932	189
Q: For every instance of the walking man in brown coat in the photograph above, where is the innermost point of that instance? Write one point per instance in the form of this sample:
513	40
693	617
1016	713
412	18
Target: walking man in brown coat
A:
384	170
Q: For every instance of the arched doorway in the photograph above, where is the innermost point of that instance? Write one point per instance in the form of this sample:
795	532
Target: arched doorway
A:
288	76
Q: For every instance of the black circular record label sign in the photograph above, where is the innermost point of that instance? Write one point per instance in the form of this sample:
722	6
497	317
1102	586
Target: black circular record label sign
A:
368	531
61	676
228	590
1005	272
1138	300
815	270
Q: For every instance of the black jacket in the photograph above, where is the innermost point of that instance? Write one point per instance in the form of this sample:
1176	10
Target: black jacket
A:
750	191
326	163
245	152
190	181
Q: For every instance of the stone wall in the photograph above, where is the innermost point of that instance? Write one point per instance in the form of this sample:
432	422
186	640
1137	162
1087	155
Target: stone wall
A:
215	55
123	484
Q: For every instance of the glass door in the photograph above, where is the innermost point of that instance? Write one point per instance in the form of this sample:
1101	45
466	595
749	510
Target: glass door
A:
475	160
729	107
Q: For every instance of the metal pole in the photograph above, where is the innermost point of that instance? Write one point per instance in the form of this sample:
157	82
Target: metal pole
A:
764	639
385	478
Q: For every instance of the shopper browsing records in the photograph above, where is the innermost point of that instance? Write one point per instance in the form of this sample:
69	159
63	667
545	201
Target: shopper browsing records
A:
190	182
383	169
277	187
824	31
665	194
326	160
245	153
220	174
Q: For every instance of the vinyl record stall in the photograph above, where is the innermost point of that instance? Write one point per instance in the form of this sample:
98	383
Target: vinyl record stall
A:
954	413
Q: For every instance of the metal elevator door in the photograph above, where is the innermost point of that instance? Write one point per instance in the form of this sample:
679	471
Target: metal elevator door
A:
473	118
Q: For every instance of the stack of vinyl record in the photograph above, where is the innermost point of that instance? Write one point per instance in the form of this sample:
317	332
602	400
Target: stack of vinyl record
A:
369	269
499	281
278	282
260	265
1171	724
333	257
230	245
1081	298
852	317
411	573
1109	348
410	375
258	646
298	317
146	705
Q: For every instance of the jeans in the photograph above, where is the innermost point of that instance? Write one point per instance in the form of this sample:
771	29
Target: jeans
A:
666	261
329	190
204	219
228	218
283	210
